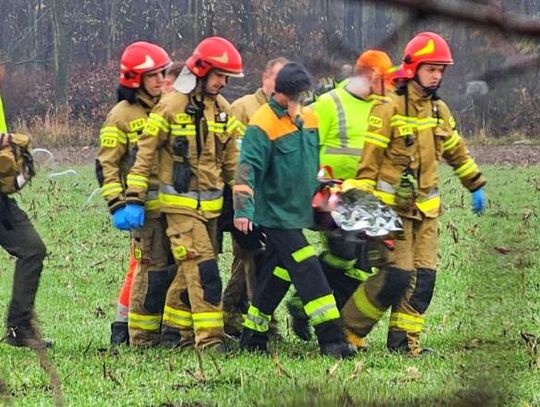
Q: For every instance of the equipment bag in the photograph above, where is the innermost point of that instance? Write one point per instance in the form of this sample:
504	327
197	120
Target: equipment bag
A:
16	162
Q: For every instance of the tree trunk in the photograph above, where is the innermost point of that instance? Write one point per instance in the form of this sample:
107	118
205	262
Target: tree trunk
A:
61	57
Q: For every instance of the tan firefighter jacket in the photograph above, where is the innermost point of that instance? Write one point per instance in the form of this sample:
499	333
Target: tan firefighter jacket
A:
175	116
244	108
414	139
117	149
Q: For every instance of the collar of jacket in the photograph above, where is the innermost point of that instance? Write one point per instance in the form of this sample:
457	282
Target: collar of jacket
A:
261	97
279	110
416	94
146	100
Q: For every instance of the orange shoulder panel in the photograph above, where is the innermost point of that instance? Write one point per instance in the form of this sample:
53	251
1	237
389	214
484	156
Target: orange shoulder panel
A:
267	121
309	118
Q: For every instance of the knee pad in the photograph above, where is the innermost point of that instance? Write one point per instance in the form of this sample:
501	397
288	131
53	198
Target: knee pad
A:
210	281
395	285
158	284
423	291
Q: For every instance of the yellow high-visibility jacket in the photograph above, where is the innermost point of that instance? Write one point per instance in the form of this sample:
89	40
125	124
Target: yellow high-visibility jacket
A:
432	133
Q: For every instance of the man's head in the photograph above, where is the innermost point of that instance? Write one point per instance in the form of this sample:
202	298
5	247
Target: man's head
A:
141	60
270	72
371	73
291	82
211	63
425	59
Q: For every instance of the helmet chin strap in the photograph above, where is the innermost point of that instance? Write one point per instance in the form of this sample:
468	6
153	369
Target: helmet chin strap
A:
429	90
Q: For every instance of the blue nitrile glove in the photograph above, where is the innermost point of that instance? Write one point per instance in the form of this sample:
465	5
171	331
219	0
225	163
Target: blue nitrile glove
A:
119	219
134	215
478	201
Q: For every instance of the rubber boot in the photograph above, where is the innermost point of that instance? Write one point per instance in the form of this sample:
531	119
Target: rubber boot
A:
119	333
26	336
252	341
300	321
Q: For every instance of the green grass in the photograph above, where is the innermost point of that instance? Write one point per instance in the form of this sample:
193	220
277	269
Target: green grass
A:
483	301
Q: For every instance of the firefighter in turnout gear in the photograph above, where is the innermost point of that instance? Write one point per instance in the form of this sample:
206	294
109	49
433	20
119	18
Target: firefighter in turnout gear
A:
194	133
343	115
240	288
406	140
142	68
281	147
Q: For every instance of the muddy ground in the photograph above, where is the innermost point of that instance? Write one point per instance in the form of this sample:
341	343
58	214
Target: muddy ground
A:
510	155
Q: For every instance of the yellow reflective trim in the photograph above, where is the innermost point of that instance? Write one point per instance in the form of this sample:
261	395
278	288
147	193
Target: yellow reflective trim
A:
213	205
405	130
338	262
144	322
375	121
406	322
137	124
452	122
303	254
203	320
152	205
365	306
387	197
429	205
256	320
179	252
177	317
282	273
241	129
466	169
159	121
377	139
132	137
112	188
358	274
322	309
183	118
452	141
429	48
137	181
137	253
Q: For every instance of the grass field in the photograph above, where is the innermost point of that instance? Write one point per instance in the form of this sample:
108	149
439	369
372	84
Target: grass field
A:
487	299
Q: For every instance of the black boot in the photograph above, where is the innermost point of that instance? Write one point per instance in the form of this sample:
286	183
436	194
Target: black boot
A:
300	320
254	341
25	336
338	350
119	333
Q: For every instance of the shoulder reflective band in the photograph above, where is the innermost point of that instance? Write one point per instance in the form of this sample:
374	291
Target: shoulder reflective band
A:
342	120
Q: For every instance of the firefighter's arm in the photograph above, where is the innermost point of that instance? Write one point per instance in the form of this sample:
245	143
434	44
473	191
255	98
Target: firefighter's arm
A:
376	141
230	155
112	149
239	112
252	164
154	135
457	155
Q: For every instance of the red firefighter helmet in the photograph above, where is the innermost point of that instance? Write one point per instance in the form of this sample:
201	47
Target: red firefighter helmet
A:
139	58
426	47
215	53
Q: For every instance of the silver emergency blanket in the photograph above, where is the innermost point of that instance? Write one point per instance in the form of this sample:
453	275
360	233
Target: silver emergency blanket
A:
360	211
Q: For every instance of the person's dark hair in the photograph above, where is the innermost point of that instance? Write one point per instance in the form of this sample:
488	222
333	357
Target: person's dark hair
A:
175	69
124	93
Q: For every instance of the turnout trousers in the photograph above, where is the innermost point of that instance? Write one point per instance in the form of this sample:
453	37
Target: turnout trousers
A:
289	258
193	305
406	285
153	275
19	238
